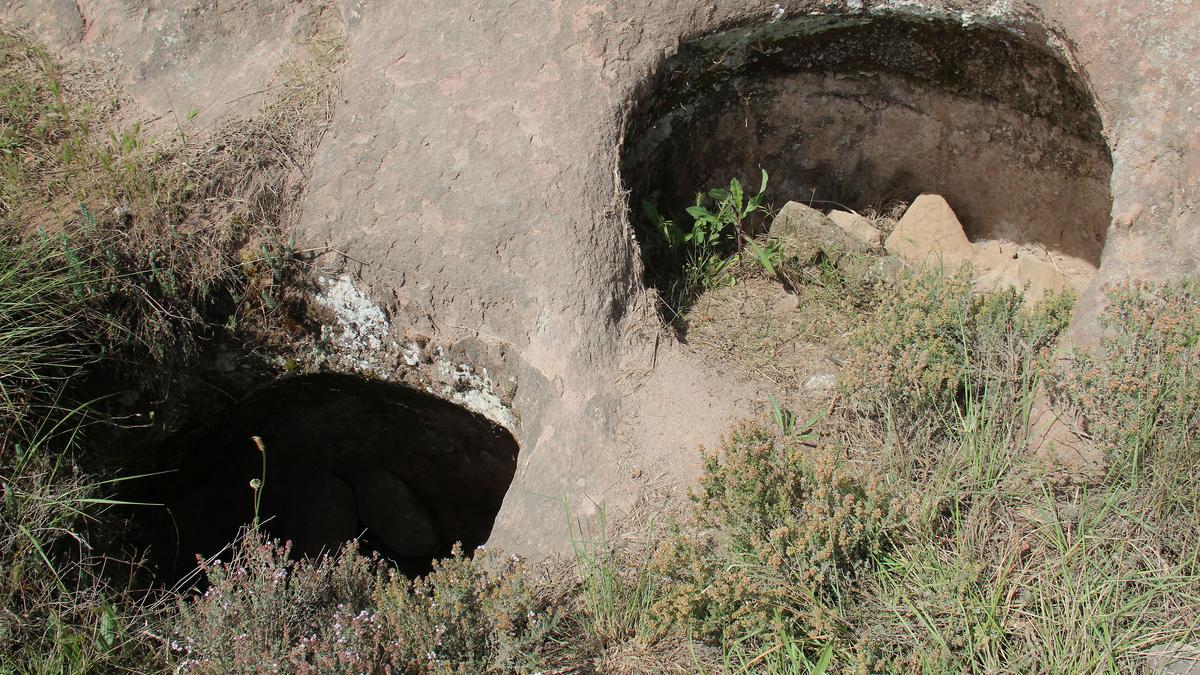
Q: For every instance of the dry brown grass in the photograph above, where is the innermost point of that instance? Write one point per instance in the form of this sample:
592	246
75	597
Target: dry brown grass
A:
782	331
186	232
764	331
125	254
886	218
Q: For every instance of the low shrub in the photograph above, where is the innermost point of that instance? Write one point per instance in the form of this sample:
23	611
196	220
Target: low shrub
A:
1139	394
1004	572
931	346
1139	398
266	612
477	614
780	535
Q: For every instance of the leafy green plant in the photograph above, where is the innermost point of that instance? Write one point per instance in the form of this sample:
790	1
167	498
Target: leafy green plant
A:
717	234
789	425
732	210
768	256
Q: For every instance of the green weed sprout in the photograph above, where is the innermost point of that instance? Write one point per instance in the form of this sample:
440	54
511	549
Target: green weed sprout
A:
718	219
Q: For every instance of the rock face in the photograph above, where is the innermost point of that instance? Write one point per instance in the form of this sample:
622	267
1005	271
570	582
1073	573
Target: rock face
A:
475	196
805	234
930	234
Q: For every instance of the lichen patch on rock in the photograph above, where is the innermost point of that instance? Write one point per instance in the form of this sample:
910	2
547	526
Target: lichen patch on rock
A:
361	337
474	390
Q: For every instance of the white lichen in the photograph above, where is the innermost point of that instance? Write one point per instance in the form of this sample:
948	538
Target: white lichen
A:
360	341
361	332
475	391
411	353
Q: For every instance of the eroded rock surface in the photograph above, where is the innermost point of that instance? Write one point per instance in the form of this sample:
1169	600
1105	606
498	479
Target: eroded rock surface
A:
471	179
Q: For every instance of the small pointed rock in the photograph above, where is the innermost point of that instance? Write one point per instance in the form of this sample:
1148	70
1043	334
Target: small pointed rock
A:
930	234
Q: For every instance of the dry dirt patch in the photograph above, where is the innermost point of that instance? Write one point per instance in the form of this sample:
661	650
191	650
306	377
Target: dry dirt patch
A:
760	327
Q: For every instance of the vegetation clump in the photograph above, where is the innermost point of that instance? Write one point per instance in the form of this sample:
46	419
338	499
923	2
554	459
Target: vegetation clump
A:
1139	395
932	345
264	610
718	233
780	536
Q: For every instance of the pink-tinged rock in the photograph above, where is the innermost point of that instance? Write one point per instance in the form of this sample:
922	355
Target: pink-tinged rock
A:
804	234
858	227
1035	277
930	234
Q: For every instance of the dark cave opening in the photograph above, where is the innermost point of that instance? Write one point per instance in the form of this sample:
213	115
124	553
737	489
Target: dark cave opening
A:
861	111
404	472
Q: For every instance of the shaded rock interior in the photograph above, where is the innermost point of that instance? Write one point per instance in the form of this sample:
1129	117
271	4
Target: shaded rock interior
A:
409	473
858	112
